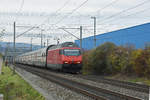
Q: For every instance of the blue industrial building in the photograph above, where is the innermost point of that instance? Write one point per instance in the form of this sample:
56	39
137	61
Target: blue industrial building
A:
137	36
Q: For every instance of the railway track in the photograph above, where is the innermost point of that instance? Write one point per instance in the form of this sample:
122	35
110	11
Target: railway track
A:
122	84
91	91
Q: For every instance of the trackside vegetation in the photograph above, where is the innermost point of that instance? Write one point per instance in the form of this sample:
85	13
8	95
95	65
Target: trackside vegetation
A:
109	59
13	87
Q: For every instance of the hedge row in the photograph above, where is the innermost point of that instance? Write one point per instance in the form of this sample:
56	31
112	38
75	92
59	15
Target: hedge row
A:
111	59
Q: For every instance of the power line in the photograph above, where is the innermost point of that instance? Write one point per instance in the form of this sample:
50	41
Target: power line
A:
48	17
111	3
74	10
56	12
21	7
108	5
123	11
25	32
56	15
82	5
142	11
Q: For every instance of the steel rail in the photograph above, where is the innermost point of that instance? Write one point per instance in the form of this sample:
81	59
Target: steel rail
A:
91	91
122	84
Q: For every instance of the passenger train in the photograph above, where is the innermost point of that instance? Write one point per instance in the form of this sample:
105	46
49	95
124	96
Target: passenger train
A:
64	57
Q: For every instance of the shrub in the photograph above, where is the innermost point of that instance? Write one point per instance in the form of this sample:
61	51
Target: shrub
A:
111	59
141	62
119	60
97	59
87	68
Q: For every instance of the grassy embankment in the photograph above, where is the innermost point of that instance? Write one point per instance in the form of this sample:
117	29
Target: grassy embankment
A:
13	87
135	79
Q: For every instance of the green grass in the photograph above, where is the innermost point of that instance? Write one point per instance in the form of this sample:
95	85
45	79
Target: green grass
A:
142	80
13	87
133	79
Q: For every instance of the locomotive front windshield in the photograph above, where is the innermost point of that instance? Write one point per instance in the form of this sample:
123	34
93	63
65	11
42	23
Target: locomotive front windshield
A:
72	52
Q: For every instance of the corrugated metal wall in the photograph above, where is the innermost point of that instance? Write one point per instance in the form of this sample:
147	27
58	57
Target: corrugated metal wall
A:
137	36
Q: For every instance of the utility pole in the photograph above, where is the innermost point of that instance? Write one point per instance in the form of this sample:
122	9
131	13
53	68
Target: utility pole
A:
47	42
7	59
44	44
6	53
81	37
58	41
14	47
31	44
14	42
42	38
94	30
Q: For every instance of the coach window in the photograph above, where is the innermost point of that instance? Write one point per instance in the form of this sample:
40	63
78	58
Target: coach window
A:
43	54
60	52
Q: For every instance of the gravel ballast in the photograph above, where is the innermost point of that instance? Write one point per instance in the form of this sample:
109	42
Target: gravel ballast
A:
50	90
130	92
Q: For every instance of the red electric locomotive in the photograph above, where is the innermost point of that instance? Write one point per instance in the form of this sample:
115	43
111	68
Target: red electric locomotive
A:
66	57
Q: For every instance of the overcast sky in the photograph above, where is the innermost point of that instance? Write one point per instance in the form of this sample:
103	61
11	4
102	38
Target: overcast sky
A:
50	15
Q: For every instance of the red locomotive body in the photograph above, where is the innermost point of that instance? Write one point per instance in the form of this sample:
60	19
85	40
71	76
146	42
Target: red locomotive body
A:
66	58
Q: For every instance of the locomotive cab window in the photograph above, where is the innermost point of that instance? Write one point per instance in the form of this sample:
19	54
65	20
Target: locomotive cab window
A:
72	52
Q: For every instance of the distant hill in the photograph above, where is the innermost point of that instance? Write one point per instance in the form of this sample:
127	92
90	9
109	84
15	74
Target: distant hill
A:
20	47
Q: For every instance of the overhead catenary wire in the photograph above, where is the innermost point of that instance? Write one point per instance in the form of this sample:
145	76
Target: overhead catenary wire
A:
46	19
82	5
125	10
142	11
115	1
108	5
102	8
128	8
25	32
21	6
56	12
74	10
20	9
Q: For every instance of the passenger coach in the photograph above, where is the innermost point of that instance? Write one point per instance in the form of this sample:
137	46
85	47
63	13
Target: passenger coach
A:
65	57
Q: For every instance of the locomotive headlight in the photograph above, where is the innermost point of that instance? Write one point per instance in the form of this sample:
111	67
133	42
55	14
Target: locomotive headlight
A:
78	62
66	62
